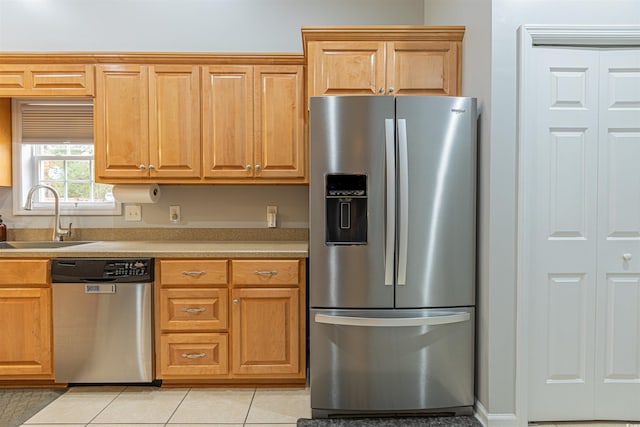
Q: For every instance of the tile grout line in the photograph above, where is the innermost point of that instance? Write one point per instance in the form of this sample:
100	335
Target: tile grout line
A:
106	406
178	406
246	417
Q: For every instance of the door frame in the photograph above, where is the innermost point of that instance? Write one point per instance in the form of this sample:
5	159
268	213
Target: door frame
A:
530	37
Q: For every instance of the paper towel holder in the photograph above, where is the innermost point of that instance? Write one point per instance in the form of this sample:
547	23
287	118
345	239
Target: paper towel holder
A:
136	193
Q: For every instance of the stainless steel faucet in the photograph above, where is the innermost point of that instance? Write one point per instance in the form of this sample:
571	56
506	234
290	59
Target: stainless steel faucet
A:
57	232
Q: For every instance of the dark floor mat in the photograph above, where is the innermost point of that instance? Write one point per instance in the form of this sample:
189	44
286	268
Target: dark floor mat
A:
17	405
462	421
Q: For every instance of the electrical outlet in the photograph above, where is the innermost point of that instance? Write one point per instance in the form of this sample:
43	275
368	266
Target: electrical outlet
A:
132	213
272	216
174	214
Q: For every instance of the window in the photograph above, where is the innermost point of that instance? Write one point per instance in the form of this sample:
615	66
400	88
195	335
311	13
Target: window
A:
53	146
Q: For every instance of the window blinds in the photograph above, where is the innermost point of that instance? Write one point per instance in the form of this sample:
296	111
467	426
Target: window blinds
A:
56	123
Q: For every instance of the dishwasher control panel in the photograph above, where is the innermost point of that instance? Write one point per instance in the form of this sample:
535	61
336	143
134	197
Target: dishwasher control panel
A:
119	270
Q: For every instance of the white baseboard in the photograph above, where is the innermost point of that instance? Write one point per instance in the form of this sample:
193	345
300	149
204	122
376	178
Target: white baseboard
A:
494	420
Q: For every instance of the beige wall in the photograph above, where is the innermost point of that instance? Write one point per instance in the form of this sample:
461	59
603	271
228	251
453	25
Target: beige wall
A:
188	26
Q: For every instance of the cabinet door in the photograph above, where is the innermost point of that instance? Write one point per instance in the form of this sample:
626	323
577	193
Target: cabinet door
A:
227	114
5	142
174	121
346	68
279	122
25	335
122	121
423	68
265	331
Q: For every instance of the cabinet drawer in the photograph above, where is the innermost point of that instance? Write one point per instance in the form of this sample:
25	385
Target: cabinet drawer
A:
193	309
193	272
193	355
265	272
33	272
45	80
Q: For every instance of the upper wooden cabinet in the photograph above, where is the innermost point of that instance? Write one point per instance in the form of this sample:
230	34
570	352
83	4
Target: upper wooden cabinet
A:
383	60
46	80
253	122
201	124
147	122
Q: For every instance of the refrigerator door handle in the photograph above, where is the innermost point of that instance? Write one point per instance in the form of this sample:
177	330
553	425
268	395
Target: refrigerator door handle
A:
389	145
403	189
443	319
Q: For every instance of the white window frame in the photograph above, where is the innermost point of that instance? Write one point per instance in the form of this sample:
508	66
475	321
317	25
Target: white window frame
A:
25	170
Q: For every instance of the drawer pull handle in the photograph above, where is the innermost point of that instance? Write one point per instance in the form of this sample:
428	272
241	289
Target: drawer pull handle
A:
194	273
193	355
194	310
265	273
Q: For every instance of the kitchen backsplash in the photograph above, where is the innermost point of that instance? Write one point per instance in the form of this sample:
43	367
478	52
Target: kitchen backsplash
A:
182	234
201	207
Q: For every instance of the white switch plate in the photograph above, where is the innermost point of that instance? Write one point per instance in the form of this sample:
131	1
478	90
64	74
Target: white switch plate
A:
132	213
174	214
272	216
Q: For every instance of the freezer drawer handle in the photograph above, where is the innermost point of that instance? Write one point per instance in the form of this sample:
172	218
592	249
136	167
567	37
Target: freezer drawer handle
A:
194	273
393	322
265	273
193	355
194	310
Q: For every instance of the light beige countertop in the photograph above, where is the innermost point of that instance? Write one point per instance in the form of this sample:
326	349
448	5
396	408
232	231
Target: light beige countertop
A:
169	249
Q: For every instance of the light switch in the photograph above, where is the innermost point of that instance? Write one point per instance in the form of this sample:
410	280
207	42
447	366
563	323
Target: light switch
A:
174	214
272	216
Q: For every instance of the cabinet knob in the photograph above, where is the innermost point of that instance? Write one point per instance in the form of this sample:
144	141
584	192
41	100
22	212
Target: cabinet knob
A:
248	167
235	301
151	167
257	167
627	257
142	167
381	90
391	89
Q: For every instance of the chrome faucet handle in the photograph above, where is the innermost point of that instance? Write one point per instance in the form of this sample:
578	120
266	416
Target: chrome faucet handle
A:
63	232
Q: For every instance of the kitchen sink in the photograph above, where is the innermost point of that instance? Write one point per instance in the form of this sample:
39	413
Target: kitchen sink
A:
39	245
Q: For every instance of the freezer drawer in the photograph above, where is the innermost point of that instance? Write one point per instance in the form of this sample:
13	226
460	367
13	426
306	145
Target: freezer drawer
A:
372	361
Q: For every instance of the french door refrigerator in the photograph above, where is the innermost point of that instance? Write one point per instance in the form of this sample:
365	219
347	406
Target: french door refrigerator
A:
392	254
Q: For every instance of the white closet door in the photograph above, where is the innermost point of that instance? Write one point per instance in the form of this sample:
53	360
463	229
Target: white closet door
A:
617	368
561	190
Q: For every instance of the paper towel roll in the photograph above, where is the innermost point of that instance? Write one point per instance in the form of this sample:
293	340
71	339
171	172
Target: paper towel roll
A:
134	193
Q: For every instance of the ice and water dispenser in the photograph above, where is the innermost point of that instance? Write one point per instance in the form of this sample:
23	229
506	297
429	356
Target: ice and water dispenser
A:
346	204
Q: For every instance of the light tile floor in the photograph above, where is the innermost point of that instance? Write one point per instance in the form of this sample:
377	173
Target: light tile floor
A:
120	406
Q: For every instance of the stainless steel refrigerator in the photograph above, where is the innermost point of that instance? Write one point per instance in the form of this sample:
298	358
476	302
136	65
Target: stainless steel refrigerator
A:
392	254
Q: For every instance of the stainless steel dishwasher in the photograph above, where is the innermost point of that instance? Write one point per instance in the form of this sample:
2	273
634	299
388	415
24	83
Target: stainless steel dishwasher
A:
102	320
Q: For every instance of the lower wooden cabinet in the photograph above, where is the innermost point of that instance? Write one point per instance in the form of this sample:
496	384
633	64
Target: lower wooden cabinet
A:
25	320
251	328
